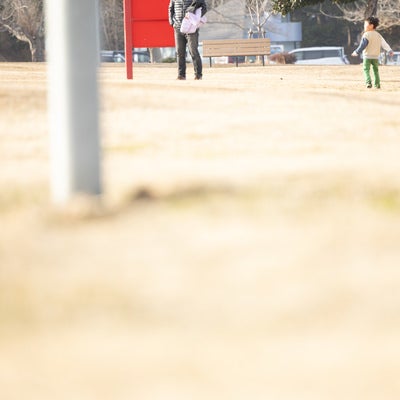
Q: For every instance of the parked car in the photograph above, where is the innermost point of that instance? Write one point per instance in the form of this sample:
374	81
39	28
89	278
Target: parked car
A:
328	55
141	55
138	56
394	60
277	48
112	56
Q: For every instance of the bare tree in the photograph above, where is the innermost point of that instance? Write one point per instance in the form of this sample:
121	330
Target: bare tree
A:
371	8
234	17
211	4
112	24
388	12
259	11
24	19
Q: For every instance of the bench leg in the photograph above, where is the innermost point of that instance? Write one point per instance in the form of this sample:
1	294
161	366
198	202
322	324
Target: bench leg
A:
237	62
210	62
263	61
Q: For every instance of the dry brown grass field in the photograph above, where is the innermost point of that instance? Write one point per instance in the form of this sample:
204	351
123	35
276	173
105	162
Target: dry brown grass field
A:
247	245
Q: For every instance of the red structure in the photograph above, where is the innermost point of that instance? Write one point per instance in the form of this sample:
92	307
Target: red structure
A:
146	25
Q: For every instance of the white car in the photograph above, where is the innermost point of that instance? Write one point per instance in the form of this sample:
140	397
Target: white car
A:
329	55
394	60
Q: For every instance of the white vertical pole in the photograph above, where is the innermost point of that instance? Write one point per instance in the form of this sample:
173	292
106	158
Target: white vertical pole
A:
73	56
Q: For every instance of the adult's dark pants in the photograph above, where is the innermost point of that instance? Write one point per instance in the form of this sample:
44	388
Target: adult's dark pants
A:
191	41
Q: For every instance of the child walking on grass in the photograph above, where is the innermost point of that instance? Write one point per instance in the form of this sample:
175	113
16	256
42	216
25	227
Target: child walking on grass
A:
370	46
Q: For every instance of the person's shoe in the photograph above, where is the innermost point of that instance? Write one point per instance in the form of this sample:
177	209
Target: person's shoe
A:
181	78
377	86
369	86
198	78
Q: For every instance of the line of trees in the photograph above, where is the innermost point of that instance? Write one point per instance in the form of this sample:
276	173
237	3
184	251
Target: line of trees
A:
388	11
23	21
22	27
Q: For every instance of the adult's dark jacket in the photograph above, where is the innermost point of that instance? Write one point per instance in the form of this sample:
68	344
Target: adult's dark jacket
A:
178	8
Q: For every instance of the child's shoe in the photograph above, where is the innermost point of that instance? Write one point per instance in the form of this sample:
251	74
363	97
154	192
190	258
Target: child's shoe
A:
369	86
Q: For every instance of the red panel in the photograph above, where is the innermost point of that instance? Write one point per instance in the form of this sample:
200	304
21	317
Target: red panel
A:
152	34
150	9
146	25
150	27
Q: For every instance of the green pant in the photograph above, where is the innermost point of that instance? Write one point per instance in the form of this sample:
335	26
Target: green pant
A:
367	66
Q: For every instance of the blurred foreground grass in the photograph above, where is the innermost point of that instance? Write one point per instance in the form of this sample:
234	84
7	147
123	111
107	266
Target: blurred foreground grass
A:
253	254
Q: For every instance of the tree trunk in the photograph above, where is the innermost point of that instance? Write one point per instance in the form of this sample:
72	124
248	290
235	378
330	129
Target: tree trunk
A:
37	49
155	55
349	42
371	9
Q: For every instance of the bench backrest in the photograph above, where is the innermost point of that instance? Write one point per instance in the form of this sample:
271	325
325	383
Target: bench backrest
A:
236	47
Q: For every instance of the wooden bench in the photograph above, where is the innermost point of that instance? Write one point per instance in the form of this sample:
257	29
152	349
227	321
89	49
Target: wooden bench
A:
236	47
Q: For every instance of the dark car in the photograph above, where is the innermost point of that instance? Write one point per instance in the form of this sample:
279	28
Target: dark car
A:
138	56
112	56
141	56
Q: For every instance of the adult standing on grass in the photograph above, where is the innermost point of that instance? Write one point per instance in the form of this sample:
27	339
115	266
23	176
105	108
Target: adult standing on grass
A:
370	46
176	12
